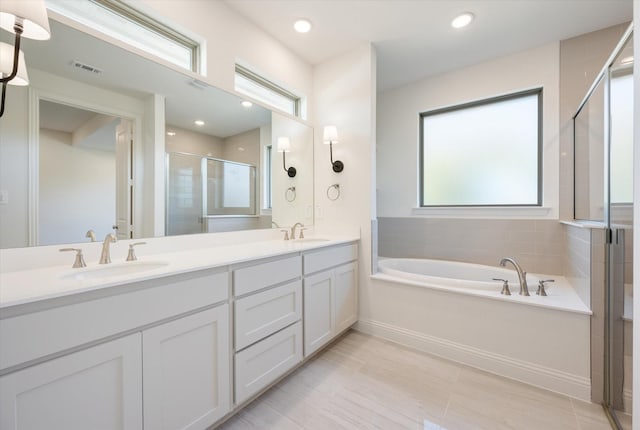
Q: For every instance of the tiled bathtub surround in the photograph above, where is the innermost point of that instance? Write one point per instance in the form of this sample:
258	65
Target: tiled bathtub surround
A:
538	245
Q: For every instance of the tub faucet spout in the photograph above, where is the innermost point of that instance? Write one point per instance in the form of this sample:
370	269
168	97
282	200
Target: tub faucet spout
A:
522	275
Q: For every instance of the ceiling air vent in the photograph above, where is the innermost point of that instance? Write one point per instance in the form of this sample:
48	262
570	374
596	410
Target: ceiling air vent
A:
86	67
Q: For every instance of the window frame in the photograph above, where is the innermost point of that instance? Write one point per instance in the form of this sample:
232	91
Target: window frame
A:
491	100
269	86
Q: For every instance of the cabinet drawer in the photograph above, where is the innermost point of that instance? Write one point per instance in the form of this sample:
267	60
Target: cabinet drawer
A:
254	278
261	364
259	315
56	329
321	260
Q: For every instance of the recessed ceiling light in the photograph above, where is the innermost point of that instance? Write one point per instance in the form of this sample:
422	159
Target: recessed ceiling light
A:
171	133
627	60
462	20
302	25
247	103
199	122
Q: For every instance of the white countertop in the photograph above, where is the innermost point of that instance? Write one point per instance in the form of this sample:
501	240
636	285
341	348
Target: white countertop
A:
45	283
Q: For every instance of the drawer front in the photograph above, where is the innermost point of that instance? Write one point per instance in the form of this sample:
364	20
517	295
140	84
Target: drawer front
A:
254	278
321	260
65	327
260	315
261	364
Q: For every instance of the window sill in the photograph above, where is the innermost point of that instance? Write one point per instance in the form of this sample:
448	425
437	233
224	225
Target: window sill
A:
512	212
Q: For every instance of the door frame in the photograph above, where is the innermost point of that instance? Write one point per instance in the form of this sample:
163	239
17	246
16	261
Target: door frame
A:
37	94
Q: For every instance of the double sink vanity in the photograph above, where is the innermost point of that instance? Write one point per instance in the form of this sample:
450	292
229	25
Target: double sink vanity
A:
175	340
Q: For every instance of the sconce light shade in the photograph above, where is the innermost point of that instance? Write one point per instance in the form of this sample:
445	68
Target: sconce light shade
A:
31	14
284	146
330	136
6	65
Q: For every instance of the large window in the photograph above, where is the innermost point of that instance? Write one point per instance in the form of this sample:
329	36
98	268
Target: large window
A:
485	153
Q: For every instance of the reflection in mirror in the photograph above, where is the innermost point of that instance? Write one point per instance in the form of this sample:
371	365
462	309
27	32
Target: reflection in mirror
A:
621	135
292	198
589	129
149	95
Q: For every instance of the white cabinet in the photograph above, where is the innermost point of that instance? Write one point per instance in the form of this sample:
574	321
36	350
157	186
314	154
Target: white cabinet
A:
264	362
318	321
186	371
330	296
267	323
96	388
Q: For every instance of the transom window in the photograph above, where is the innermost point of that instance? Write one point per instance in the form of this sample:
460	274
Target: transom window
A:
122	22
259	88
484	153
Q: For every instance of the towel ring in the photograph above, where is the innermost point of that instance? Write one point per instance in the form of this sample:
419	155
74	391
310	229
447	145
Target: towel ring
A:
290	194
335	195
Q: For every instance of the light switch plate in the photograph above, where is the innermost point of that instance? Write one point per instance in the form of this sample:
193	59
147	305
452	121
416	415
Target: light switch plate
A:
4	197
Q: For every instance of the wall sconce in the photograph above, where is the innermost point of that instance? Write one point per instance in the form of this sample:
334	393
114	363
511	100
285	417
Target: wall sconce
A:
284	146
25	19
330	137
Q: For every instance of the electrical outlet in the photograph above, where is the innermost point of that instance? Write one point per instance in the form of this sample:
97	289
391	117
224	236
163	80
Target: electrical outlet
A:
4	197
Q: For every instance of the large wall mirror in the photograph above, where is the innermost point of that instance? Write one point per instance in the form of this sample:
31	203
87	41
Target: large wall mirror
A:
105	139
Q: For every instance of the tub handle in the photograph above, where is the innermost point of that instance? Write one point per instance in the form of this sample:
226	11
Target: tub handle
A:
505	286
541	291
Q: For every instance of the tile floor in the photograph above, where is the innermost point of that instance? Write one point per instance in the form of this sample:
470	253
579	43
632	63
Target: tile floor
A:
362	382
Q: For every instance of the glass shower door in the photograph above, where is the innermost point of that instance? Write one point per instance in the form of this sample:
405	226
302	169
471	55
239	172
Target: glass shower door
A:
184	194
620	221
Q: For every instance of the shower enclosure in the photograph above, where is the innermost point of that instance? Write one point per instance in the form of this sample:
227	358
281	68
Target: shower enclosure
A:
201	189
603	193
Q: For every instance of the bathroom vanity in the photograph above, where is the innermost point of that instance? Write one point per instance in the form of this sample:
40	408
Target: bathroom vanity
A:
175	340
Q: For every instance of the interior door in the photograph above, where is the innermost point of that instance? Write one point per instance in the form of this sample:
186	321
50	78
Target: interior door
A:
124	180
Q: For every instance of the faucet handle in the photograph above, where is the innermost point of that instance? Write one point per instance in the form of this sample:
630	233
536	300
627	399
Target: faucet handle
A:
505	286
301	236
131	256
79	261
541	291
286	234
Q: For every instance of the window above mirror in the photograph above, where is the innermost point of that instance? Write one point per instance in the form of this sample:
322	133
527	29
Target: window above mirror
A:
126	24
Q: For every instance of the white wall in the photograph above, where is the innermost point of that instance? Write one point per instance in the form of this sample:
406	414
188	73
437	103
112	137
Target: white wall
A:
77	190
345	96
14	165
636	222
398	128
231	39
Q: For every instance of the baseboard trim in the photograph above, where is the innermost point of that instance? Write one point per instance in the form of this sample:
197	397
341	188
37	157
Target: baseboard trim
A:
533	374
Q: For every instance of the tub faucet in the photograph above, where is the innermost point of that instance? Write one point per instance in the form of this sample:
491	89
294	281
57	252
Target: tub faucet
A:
522	275
105	256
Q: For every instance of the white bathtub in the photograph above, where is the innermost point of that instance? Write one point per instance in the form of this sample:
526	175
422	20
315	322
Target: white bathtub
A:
455	310
477	279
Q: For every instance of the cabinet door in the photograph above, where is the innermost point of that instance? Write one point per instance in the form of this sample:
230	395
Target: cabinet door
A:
345	303
96	388
318	309
186	371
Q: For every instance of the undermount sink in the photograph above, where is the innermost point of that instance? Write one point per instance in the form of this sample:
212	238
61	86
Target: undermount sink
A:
106	271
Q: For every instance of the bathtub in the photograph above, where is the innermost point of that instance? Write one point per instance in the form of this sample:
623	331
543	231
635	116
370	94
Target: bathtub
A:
455	310
477	280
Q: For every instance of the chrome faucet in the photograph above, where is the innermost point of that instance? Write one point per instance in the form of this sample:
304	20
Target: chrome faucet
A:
91	235
522	275
105	256
293	230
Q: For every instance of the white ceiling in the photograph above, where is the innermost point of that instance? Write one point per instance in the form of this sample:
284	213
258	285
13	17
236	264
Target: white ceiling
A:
414	39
